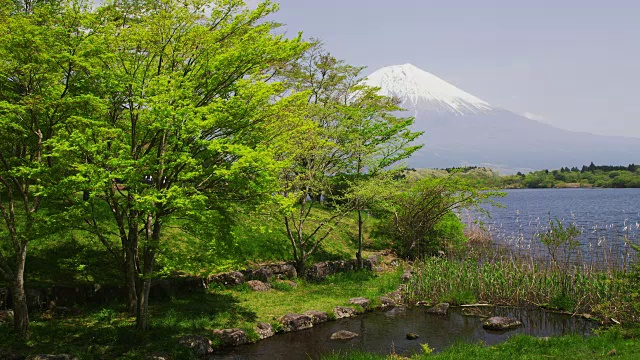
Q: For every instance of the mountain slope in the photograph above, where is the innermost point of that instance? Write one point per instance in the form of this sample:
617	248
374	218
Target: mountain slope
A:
461	129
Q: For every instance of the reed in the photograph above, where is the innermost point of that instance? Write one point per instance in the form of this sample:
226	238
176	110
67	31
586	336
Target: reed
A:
500	275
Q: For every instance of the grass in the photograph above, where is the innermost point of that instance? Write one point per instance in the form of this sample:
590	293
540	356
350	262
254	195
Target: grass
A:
108	332
623	340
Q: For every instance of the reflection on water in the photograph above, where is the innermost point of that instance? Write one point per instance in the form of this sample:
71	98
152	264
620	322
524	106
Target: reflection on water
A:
380	332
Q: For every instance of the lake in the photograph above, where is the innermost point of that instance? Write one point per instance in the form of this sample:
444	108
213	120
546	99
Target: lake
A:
608	218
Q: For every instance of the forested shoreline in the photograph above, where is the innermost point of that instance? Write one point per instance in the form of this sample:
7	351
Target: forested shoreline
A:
599	176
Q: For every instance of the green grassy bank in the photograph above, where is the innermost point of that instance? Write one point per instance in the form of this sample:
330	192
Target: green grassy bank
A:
617	343
108	332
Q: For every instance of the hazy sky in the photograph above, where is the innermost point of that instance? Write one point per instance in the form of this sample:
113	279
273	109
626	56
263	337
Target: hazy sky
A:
571	63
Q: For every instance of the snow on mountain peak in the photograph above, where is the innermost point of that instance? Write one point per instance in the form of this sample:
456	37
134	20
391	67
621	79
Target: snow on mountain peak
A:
416	86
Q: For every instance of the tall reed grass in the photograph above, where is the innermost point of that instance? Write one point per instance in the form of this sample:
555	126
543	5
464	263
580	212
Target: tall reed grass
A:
527	276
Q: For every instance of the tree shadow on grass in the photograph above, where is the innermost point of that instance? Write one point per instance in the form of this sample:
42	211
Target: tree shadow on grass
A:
109	333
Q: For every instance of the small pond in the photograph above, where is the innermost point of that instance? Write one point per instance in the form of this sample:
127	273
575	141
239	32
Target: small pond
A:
382	331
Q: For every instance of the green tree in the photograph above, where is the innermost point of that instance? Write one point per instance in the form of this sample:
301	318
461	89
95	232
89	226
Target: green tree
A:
376	142
41	71
188	120
308	202
418	209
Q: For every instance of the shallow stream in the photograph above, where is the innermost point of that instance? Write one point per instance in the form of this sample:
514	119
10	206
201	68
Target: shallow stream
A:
385	331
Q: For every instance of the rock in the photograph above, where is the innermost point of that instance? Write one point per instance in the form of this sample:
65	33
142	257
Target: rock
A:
343	335
295	322
284	271
479	311
263	274
50	357
364	303
440	309
228	279
257	285
374	260
412	336
317	317
396	296
406	277
386	302
323	269
344	312
265	330
199	344
501	323
6	316
231	337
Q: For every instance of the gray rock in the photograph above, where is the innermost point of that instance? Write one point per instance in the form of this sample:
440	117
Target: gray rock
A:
50	357
295	322
397	296
501	323
228	279
344	312
199	344
440	309
285	271
317	317
263	274
374	260
231	337
364	303
257	285
343	335
412	336
265	330
387	302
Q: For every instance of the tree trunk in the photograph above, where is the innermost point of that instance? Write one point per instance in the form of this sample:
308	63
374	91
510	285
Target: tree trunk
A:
359	253
130	281
20	310
142	319
301	260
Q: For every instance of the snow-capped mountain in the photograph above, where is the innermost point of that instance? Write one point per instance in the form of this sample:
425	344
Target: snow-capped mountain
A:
420	89
461	129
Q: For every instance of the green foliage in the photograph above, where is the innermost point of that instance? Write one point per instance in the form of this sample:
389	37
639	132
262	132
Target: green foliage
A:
421	217
558	236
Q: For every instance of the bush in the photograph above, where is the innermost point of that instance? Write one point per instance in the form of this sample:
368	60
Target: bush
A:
421	219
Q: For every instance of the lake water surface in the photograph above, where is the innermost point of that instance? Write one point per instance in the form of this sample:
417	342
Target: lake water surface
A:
608	219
